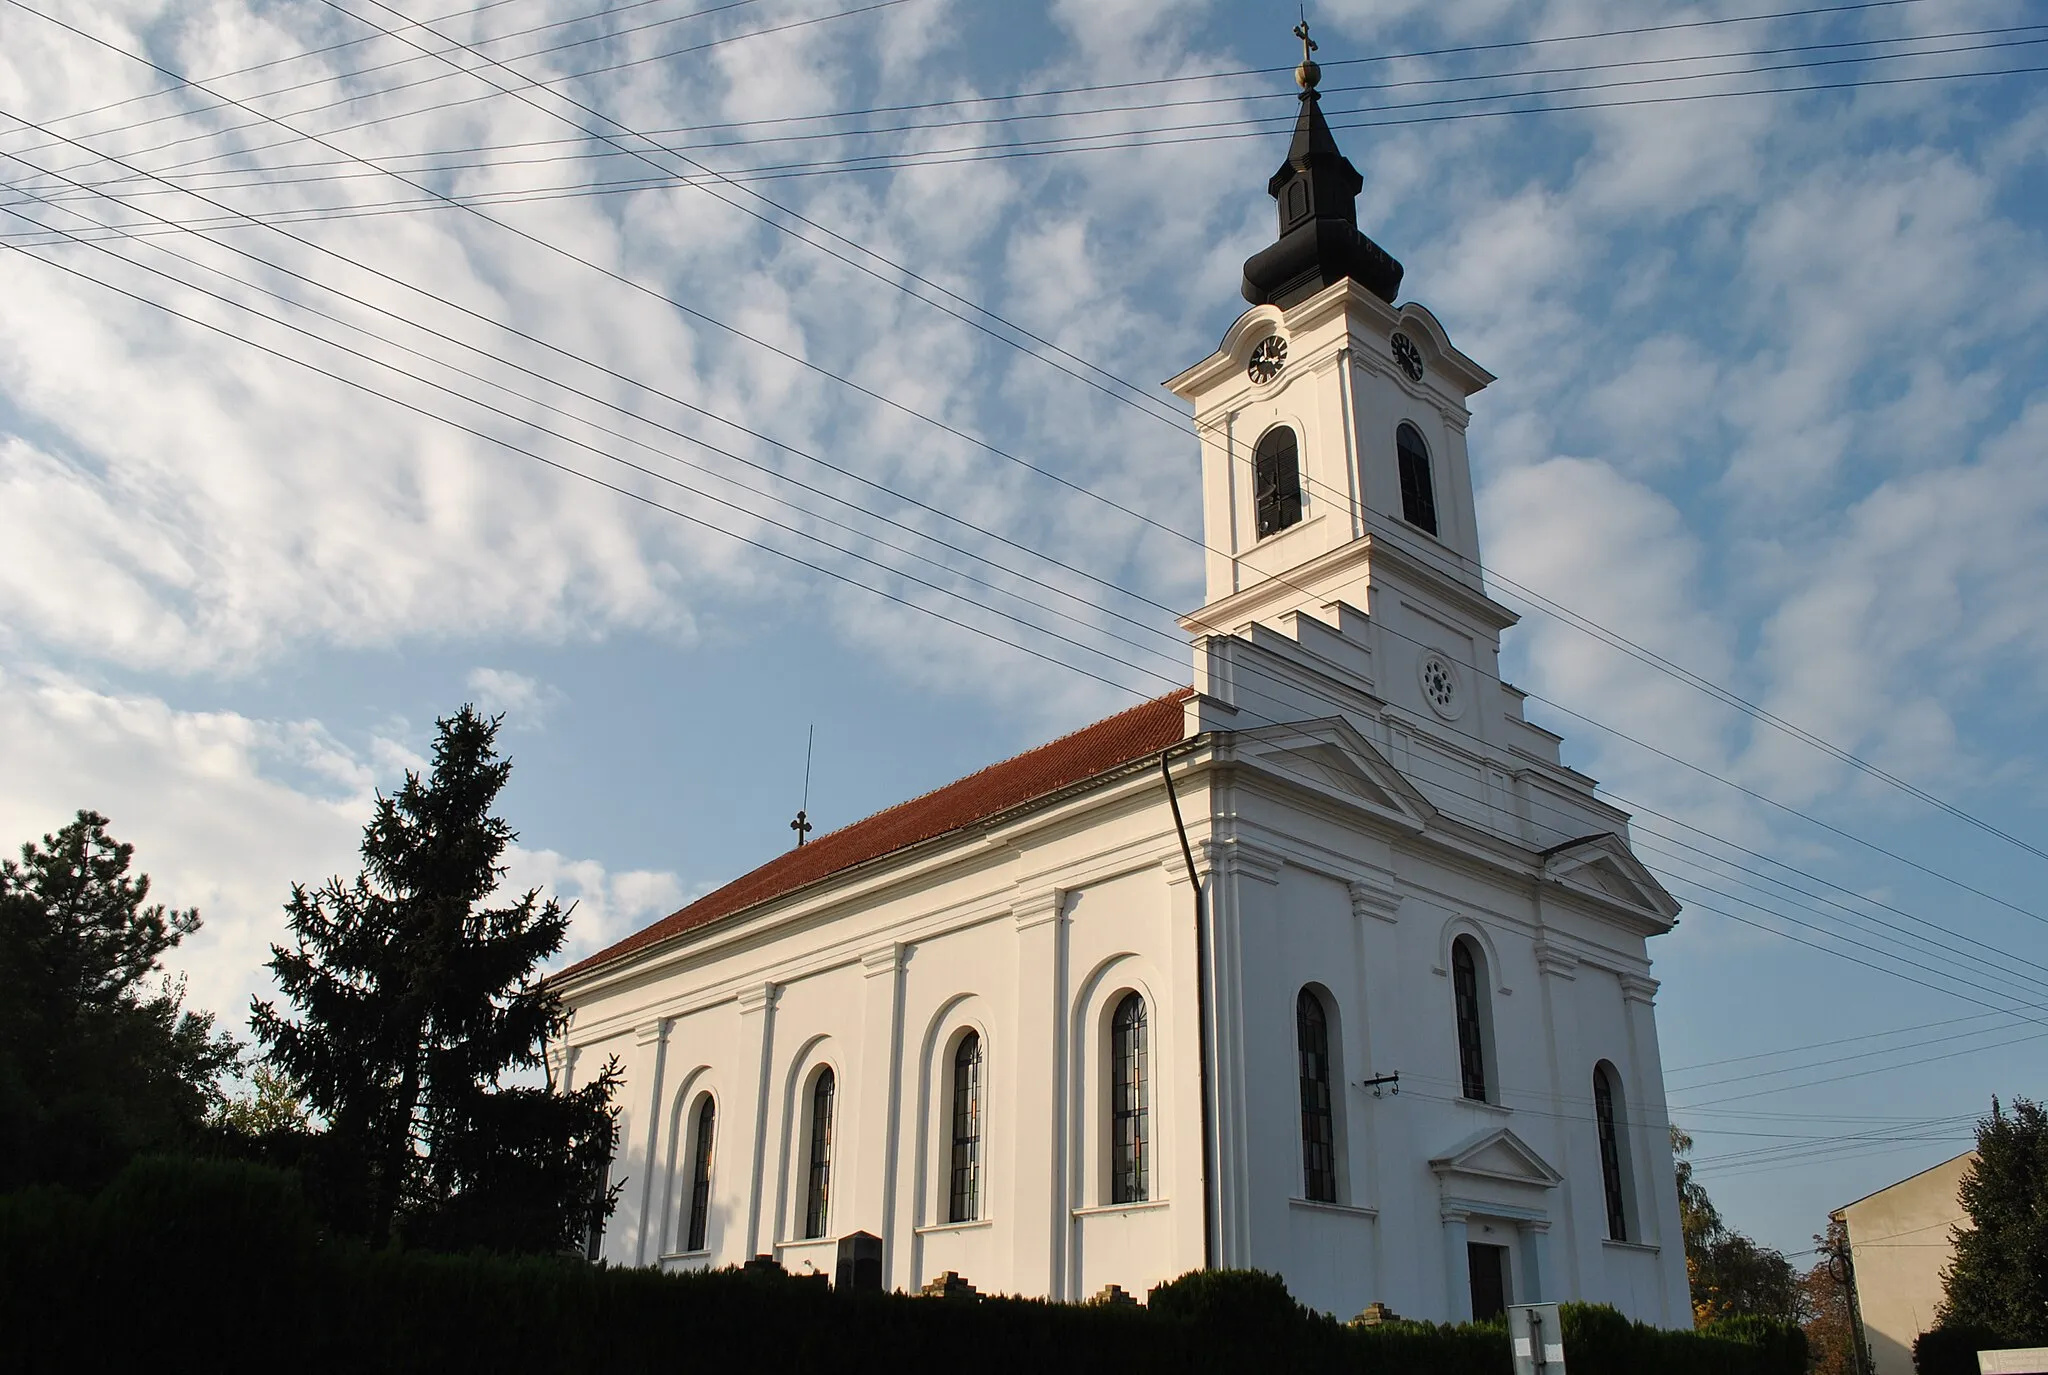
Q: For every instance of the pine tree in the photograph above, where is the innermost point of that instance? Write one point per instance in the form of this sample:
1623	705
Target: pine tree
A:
99	1057
415	1001
1999	1277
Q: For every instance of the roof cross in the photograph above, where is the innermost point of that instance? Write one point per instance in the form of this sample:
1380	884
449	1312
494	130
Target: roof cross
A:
1308	73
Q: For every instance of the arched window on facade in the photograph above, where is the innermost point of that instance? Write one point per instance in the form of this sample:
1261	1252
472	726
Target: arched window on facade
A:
1130	1091
1418	489
1467	990
1318	1129
1276	481
818	1194
702	1131
964	1203
1608	1117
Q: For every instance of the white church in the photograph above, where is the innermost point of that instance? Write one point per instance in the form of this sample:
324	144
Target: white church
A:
1325	965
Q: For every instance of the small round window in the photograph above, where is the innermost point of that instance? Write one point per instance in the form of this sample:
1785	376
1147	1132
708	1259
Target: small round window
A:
1440	686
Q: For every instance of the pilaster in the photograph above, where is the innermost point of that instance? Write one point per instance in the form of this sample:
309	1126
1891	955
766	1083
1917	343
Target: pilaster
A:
757	1037
1030	1193
651	1042
877	1091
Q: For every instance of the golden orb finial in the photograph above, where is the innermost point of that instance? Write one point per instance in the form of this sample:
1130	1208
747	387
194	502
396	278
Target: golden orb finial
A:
1308	73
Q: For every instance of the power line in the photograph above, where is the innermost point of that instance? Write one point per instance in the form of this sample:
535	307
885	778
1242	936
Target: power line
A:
269	170
1860	962
1457	50
1070	484
1807	737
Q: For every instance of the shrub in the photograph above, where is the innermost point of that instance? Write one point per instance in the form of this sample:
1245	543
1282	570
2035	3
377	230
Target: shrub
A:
1951	1349
218	1265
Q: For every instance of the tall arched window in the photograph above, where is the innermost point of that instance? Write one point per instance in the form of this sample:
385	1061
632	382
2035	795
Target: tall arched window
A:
964	1204
1418	490
1466	992
700	1174
1608	1117
818	1196
1318	1134
1130	1092
1276	481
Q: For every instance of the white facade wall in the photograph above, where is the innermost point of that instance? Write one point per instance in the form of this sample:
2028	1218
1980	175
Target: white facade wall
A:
1346	828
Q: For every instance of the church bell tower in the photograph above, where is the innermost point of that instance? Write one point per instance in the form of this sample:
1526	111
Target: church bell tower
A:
1332	420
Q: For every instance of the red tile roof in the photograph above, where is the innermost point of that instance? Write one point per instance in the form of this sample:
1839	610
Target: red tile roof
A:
1068	760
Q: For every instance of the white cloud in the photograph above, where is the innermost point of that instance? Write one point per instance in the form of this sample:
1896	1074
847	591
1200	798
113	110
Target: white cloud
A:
525	701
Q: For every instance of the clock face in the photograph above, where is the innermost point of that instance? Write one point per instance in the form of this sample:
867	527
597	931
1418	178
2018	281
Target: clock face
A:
1408	356
1267	359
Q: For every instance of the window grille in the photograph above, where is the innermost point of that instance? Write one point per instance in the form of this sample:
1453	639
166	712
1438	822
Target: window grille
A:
1130	1091
1471	1032
965	1201
818	1198
1318	1135
1276	481
1610	1153
1418	491
700	1175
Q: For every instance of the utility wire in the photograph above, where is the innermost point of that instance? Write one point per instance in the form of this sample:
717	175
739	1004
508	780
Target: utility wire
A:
1382	58
271	170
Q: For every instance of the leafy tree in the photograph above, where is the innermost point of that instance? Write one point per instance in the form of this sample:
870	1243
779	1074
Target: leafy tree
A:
1831	1337
99	1058
415	1002
1731	1276
1999	1277
268	1110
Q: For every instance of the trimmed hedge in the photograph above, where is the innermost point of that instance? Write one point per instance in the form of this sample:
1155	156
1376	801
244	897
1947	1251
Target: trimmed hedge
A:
219	1265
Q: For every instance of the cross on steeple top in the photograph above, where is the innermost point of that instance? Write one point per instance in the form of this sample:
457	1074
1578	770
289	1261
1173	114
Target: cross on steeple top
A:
1308	73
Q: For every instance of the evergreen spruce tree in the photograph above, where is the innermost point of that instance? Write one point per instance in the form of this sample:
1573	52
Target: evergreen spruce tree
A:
414	1002
99	1058
1999	1277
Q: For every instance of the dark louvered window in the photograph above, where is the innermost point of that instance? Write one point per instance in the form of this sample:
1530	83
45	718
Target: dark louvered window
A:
1276	481
1471	1030
818	1198
964	1204
1418	490
1610	1152
1318	1137
700	1174
1129	1102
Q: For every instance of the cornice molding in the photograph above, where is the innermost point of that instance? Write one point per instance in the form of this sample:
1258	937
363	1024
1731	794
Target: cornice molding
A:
1552	958
758	997
885	960
1047	904
652	1033
1373	900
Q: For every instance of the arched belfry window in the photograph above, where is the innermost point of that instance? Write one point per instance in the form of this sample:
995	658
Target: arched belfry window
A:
1276	481
818	1190
1130	1093
964	1202
1610	1119
1418	489
1467	991
1318	1127
702	1130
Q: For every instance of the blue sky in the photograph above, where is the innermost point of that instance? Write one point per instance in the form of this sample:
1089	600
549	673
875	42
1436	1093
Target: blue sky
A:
1770	409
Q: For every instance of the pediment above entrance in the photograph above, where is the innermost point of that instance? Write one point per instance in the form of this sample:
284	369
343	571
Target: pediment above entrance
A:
1496	1157
1602	867
1331	757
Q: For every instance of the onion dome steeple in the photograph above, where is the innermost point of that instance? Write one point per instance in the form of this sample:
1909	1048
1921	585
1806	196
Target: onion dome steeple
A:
1317	192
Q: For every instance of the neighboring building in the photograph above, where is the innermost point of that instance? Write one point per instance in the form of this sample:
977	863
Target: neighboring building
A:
1899	1243
988	1027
